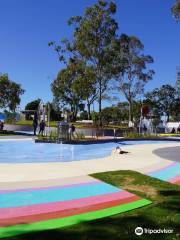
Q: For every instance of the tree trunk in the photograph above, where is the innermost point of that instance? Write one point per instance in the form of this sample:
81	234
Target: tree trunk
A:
73	113
130	112
89	110
100	105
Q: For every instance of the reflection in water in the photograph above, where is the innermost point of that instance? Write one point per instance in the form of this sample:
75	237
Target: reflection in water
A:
61	151
72	152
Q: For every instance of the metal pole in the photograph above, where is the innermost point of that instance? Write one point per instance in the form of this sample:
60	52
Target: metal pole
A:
140	121
49	112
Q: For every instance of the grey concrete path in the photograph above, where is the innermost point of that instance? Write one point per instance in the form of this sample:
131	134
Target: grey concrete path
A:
171	153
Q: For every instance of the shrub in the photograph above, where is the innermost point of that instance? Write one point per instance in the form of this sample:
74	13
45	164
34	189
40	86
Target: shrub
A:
79	135
138	135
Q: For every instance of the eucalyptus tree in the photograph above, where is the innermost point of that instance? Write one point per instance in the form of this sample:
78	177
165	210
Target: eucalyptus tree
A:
92	42
73	85
176	10
10	93
132	74
164	100
176	109
33	105
64	89
86	85
178	78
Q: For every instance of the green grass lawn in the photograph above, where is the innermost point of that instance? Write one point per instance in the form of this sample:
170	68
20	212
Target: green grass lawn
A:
6	133
162	213
2	135
170	134
77	124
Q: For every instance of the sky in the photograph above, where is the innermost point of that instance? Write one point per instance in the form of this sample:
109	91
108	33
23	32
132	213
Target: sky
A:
26	27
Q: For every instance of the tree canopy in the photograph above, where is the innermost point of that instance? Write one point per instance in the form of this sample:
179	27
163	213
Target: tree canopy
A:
95	56
33	105
93	37
176	10
134	74
10	93
164	100
66	89
178	78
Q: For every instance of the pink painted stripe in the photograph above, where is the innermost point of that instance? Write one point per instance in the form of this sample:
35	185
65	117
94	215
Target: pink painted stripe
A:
6	213
162	168
175	179
51	187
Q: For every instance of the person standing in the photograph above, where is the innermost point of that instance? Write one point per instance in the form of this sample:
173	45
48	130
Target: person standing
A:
71	131
0	125
178	129
35	125
173	130
144	128
42	127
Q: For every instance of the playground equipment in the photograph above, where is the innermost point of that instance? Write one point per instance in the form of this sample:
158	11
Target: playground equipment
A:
63	131
43	113
146	120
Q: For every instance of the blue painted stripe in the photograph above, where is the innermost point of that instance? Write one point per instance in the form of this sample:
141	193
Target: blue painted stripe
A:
164	177
166	173
162	169
54	195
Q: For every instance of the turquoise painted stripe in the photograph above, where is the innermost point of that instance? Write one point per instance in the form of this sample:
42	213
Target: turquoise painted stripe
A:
164	177
162	169
54	195
166	173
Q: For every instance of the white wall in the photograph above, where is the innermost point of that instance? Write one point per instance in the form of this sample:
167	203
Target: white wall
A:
170	125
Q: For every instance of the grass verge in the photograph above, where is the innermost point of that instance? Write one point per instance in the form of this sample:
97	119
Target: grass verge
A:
77	124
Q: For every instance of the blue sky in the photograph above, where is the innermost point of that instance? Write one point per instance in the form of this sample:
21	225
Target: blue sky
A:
26	27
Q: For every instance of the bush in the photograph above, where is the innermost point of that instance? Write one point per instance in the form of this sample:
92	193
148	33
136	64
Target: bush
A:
95	117
138	135
79	135
111	114
83	115
10	117
53	135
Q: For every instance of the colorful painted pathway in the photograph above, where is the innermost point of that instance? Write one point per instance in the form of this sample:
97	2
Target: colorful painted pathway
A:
43	205
50	204
169	172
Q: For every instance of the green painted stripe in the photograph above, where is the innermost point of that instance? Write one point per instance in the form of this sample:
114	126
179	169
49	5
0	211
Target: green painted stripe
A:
67	221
